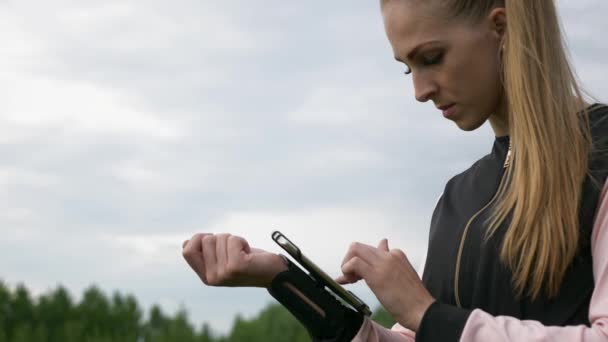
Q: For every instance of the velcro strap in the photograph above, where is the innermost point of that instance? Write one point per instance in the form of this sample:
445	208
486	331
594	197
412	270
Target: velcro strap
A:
325	318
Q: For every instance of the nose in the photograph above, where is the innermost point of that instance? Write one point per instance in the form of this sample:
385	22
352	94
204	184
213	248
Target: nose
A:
424	86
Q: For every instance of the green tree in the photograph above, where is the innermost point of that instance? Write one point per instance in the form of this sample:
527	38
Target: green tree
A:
21	312
125	317
5	311
206	335
53	310
157	326
22	333
179	329
274	323
94	313
72	331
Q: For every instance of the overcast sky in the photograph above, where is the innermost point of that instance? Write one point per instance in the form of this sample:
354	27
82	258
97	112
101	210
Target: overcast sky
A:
128	126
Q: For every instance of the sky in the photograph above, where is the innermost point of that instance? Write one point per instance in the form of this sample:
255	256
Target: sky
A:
128	126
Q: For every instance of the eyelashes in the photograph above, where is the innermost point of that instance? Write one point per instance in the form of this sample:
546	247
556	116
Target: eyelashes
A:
427	61
433	59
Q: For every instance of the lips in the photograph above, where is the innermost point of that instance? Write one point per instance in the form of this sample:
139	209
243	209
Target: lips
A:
448	111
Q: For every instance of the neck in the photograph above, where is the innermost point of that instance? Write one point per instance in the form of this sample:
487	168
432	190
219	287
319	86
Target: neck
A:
500	121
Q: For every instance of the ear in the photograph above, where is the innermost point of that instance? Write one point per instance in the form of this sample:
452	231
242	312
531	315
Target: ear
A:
498	22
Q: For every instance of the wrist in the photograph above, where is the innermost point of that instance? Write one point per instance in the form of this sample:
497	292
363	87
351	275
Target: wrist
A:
323	316
278	266
450	318
412	314
419	313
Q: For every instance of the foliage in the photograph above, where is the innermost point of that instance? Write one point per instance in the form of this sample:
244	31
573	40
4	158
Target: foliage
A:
55	317
383	318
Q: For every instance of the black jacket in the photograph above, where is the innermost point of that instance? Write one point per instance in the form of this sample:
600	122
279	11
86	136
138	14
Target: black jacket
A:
483	281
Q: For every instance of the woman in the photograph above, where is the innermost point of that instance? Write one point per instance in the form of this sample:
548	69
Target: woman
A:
518	246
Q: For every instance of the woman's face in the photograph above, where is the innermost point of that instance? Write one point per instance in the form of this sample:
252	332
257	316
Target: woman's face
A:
453	62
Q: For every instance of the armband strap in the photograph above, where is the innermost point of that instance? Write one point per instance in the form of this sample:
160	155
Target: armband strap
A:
325	318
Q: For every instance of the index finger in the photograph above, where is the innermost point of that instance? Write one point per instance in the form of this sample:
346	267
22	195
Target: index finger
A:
193	253
366	252
195	243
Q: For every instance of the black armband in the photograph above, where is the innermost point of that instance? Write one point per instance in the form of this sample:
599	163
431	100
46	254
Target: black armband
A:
322	314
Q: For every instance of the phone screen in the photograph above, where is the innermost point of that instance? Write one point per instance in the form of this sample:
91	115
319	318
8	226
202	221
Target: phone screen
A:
347	297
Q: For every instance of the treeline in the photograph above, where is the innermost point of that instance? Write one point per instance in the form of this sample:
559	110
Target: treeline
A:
56	317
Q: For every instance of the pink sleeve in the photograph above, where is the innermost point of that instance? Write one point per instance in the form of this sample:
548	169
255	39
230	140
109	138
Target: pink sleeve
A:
373	332
481	326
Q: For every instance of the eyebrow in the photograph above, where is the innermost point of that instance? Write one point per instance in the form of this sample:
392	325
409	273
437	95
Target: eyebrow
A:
416	49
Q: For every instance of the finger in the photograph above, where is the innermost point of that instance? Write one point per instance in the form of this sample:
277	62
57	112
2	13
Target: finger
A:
361	250
237	246
210	258
192	252
347	279
194	244
383	245
221	243
357	267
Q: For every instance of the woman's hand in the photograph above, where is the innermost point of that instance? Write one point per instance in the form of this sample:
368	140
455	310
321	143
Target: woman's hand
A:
391	277
227	260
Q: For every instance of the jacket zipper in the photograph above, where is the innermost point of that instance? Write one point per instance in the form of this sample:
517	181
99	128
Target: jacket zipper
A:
466	229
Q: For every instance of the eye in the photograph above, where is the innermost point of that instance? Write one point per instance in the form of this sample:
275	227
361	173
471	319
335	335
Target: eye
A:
432	59
427	60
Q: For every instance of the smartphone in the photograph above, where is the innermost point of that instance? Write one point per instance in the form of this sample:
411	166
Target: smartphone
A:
321	277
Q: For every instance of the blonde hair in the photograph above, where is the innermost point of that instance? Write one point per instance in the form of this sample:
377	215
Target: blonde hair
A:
551	141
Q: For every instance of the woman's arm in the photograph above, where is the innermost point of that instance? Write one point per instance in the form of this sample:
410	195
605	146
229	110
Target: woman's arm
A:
477	325
483	327
480	326
374	332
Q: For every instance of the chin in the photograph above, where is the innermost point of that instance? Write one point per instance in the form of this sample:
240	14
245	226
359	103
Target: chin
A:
468	125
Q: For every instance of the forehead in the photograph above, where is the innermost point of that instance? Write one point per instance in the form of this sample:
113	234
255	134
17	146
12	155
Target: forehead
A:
409	23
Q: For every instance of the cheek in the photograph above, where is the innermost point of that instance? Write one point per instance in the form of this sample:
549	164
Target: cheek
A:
488	84
474	82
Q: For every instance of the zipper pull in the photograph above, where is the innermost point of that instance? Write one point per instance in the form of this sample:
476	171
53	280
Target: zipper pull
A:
508	158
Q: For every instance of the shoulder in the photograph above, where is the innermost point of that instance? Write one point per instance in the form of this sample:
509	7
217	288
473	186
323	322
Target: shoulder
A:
598	120
486	167
598	156
597	110
475	168
478	171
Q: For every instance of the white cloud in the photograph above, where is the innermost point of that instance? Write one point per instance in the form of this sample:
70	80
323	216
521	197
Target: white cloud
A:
15	176
85	108
339	105
325	233
126	127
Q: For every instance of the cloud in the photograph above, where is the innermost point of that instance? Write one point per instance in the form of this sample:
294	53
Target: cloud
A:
127	127
83	108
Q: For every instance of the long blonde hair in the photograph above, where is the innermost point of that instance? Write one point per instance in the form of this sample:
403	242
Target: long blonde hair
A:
551	141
